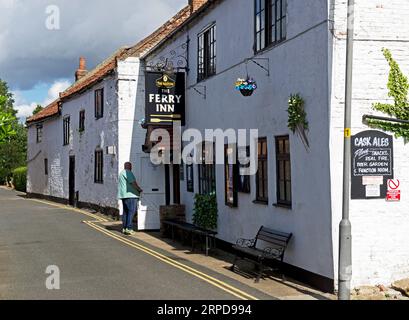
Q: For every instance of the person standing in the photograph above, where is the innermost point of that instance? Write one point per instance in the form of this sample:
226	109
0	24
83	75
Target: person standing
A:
129	192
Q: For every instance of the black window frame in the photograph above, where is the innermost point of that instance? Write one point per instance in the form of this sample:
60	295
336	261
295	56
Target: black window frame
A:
231	175
39	132
262	172
270	18
81	125
283	166
66	130
46	166
206	53
207	170
99	103
243	183
99	166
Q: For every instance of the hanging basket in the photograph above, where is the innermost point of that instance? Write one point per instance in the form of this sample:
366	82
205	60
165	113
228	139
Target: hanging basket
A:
246	87
246	92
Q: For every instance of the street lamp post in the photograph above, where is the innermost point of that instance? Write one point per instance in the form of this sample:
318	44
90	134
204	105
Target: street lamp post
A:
345	234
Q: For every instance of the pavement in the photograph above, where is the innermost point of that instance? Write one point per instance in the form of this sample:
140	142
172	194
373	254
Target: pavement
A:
96	262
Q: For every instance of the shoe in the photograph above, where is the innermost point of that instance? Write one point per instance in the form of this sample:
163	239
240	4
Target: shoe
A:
129	232
123	231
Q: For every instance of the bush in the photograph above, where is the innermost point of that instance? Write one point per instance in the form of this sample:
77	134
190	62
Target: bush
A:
20	179
205	212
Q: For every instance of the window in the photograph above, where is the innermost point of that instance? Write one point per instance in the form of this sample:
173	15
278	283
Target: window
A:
189	178
244	179
46	167
231	175
39	133
99	166
270	22
99	103
206	66
82	121
284	196
66	128
262	173
207	170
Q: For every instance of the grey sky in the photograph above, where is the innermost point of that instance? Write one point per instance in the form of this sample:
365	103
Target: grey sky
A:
32	54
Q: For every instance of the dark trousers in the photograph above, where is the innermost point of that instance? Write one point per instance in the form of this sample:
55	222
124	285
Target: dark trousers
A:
130	207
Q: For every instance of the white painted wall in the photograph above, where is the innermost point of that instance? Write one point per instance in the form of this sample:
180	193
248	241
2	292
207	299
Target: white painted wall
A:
303	56
99	133
380	229
131	109
49	148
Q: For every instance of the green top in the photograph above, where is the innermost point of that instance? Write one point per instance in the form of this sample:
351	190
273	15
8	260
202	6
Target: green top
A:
125	187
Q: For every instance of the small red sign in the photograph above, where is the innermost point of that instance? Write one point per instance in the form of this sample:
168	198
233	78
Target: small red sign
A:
393	193
393	184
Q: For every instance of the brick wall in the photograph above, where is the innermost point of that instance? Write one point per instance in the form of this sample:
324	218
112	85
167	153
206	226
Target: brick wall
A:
380	229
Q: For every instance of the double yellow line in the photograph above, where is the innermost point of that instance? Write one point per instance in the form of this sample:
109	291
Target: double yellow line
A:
209	279
93	216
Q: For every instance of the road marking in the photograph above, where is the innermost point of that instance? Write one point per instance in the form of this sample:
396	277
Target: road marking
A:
209	279
60	206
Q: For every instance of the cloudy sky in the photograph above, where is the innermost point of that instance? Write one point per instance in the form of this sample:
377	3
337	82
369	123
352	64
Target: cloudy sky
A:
41	40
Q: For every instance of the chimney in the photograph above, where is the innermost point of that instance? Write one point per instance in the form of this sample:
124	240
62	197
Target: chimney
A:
196	4
82	71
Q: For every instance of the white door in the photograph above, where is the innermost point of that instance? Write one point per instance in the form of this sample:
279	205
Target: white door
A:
153	185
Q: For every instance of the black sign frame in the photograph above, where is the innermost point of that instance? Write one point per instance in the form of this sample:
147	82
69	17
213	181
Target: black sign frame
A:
165	98
372	155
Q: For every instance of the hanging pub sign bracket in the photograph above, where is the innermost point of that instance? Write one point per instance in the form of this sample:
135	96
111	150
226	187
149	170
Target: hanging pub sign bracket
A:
202	92
258	62
175	60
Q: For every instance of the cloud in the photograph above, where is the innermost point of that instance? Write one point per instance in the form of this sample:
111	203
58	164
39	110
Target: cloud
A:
30	53
25	109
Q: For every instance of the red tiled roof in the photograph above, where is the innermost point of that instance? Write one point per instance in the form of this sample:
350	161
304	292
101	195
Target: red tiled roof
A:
49	111
141	47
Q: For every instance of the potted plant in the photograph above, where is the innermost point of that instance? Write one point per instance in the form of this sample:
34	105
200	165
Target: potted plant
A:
246	86
206	212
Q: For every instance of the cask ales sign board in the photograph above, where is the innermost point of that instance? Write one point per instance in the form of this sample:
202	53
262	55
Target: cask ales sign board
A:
372	164
165	98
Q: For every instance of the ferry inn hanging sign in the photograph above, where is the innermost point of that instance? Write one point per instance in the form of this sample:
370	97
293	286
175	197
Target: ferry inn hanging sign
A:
372	165
165	98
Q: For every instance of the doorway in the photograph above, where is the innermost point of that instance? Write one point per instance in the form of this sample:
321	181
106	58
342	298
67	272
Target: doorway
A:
71	182
176	184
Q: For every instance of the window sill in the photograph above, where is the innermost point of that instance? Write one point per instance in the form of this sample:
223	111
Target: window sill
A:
205	79
261	202
282	205
269	47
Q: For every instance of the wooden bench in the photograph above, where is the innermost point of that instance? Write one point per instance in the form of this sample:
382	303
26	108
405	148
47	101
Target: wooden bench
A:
248	249
193	230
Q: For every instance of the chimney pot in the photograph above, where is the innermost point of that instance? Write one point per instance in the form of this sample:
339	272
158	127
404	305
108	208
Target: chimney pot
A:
196	4
81	71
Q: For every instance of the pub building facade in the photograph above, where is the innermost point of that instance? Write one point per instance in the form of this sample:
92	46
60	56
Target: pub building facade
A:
284	49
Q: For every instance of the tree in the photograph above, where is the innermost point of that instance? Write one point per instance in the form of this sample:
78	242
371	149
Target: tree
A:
398	86
13	135
7	105
38	109
6	121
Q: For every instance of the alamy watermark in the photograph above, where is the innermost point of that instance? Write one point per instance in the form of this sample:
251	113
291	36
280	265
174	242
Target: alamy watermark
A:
53	17
53	280
207	148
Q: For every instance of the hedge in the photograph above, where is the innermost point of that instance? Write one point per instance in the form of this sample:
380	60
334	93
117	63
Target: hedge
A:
20	179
